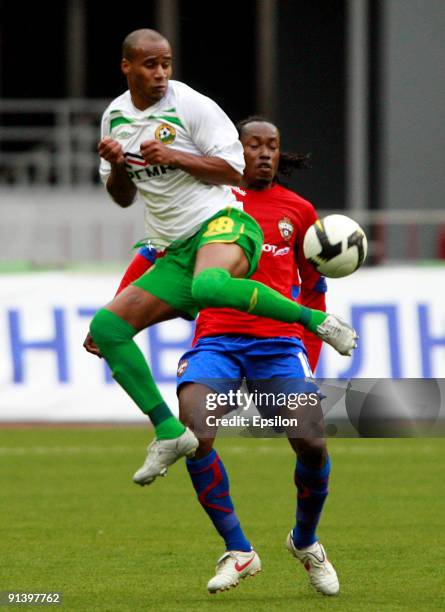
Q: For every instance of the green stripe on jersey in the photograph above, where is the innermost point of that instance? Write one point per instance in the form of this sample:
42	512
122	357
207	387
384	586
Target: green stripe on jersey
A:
119	121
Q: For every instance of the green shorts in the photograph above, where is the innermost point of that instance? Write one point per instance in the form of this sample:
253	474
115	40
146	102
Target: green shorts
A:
170	279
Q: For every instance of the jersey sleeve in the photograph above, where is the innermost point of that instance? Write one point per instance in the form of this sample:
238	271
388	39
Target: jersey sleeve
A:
212	131
104	167
313	287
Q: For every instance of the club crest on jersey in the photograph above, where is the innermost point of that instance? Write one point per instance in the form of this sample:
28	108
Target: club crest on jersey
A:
286	228
182	366
165	133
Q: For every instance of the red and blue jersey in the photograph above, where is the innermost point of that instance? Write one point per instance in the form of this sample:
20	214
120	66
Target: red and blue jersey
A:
284	218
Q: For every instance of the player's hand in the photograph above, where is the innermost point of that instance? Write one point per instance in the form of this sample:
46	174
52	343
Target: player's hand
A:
154	153
111	150
90	346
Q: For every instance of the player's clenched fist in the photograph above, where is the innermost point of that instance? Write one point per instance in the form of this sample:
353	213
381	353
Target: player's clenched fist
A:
111	150
154	152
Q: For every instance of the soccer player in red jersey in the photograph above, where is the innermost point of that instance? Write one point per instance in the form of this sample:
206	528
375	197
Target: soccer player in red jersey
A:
229	344
232	345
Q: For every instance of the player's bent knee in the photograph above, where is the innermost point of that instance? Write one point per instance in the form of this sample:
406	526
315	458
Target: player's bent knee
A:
98	329
208	285
106	328
312	452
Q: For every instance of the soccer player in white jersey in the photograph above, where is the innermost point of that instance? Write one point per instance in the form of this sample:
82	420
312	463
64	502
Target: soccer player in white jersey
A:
177	151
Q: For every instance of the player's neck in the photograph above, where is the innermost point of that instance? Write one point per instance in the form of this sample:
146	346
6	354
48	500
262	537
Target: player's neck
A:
142	103
257	185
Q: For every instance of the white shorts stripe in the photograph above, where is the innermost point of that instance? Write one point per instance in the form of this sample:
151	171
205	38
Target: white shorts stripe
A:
305	365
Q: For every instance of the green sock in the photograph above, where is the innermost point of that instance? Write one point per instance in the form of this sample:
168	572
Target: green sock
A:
114	337
165	423
215	287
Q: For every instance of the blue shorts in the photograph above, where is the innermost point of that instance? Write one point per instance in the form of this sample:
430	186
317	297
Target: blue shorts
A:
224	361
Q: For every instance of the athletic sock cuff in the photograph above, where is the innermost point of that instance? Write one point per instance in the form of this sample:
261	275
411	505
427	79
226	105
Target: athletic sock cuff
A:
313	473
305	316
160	413
198	465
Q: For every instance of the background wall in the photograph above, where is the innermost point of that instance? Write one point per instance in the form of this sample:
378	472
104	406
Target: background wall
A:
217	52
45	374
413	91
357	83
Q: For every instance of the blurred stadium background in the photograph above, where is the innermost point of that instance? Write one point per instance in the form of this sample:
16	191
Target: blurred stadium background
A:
358	83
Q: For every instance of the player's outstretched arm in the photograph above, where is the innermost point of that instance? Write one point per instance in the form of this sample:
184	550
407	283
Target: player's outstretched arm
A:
312	295
317	301
313	286
119	185
207	169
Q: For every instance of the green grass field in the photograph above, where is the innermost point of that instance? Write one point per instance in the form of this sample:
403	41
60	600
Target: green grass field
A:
73	521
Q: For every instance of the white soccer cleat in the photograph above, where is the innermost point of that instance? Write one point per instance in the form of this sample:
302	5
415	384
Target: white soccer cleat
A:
232	566
339	334
322	574
163	453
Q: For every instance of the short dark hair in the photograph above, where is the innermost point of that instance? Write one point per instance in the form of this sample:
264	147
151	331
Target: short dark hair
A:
288	161
132	40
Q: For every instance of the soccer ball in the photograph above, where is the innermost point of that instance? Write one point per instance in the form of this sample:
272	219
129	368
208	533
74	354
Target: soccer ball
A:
335	245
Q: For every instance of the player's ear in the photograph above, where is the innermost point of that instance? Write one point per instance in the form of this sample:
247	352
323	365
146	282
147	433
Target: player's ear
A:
125	66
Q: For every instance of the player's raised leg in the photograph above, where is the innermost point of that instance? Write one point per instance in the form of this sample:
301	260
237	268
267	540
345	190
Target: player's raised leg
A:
113	329
211	483
219	281
311	479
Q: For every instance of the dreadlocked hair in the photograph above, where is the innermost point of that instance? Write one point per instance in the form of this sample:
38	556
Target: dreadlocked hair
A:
288	161
293	161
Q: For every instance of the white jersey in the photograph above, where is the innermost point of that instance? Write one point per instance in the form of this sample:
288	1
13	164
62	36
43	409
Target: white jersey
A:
176	203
